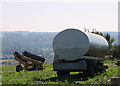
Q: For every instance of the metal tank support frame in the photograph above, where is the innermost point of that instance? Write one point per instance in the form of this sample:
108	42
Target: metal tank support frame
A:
90	67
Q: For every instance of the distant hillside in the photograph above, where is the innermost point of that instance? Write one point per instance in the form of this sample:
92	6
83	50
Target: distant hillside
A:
34	42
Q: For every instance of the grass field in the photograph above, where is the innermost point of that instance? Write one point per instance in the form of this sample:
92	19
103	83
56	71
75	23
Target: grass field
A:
48	76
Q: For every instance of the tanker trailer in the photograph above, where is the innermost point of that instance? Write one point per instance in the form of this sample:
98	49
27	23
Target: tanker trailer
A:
75	50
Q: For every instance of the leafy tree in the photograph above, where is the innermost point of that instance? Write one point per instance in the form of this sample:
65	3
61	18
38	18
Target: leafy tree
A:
110	42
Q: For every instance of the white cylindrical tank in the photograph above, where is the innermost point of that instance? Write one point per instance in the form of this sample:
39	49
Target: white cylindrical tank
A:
72	44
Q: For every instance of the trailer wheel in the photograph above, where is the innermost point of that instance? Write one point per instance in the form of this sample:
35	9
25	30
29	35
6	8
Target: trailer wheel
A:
90	74
35	67
90	68
18	68
63	73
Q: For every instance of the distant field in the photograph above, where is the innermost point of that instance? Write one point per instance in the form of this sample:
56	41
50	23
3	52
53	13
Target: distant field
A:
12	61
48	76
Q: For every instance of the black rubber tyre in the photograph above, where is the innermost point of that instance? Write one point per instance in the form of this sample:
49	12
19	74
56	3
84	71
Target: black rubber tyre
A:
35	67
90	68
89	74
96	69
63	73
18	68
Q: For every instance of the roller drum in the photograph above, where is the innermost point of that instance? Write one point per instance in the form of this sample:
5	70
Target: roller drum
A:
33	56
19	56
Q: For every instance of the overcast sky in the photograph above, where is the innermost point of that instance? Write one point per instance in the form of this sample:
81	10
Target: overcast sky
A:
57	16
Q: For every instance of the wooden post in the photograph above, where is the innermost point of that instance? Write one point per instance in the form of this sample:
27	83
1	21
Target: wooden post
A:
115	81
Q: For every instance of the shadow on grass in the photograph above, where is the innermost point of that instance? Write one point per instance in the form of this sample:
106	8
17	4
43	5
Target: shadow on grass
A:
71	78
